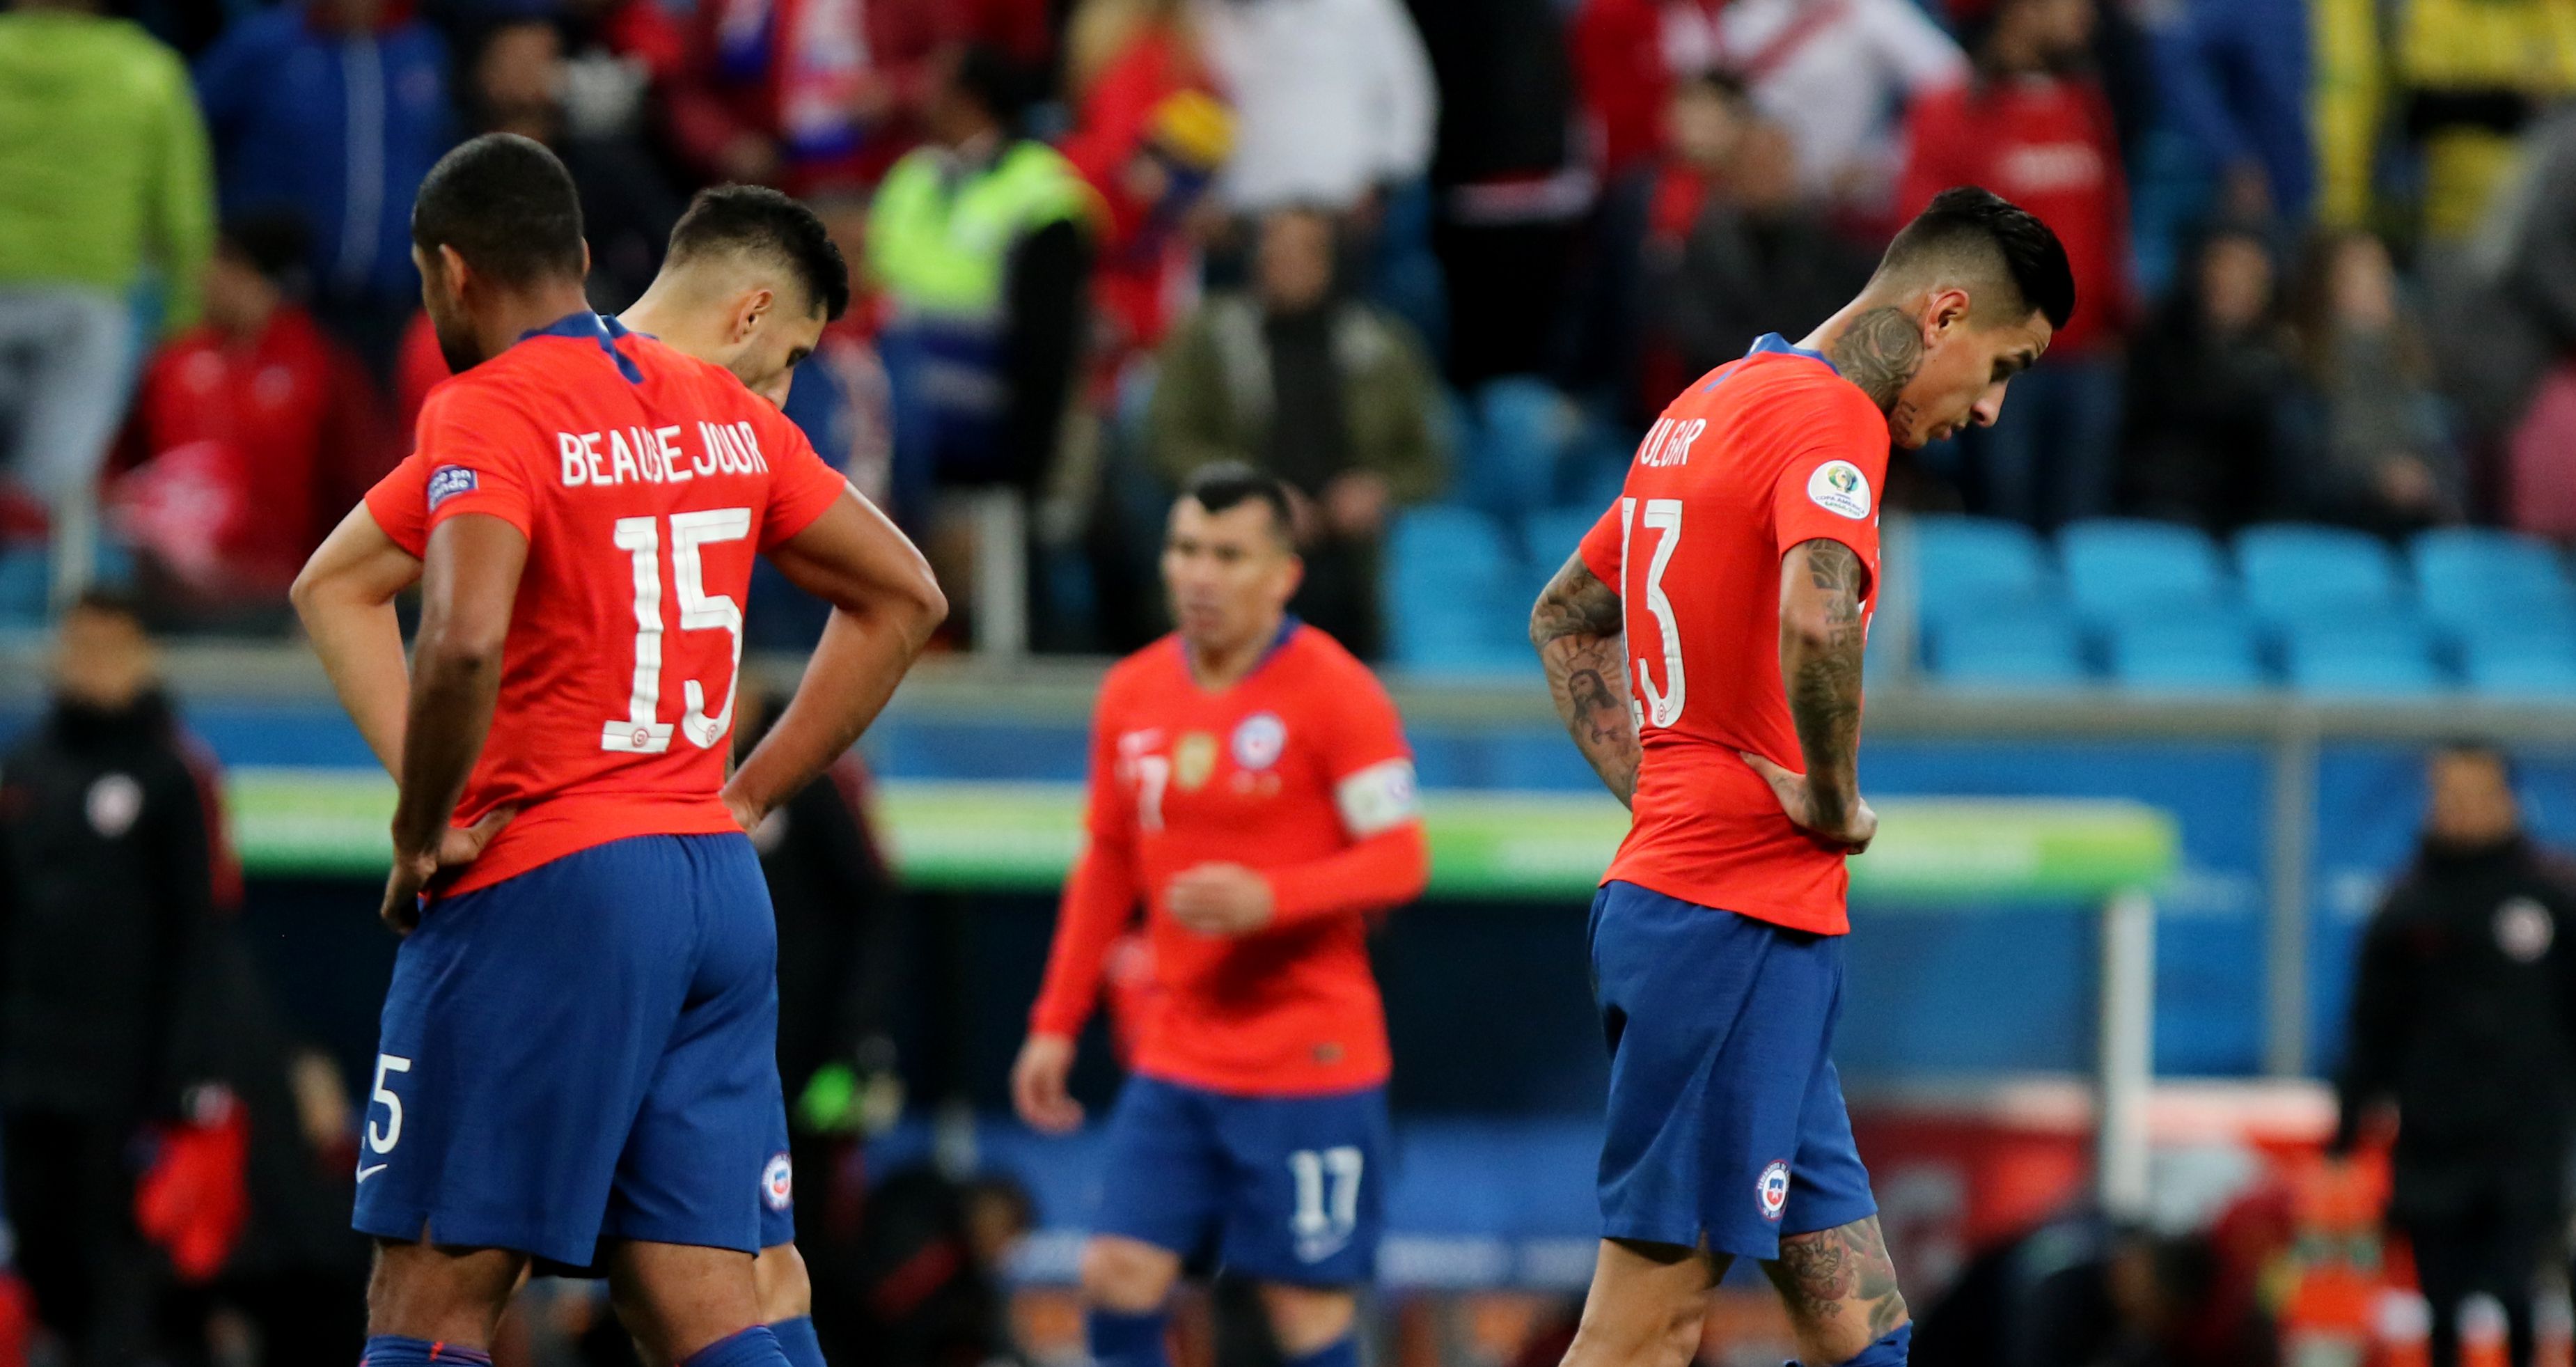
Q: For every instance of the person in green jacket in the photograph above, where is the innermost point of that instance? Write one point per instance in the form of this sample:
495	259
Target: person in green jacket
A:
102	168
1331	394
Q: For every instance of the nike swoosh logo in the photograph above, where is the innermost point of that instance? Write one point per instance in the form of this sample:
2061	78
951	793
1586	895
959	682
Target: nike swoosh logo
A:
365	1173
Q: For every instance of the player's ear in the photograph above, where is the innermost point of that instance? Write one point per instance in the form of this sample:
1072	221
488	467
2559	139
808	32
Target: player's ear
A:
754	307
1947	309
452	269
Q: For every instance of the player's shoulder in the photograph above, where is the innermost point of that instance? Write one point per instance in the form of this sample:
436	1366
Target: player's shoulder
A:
1804	388
656	357
1143	672
529	378
1314	653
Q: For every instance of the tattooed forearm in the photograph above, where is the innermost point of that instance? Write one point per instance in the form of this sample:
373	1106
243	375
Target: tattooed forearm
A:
1840	1285
1581	647
1879	351
1821	640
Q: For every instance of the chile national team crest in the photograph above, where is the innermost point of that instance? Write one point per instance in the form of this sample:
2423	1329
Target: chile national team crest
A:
1258	741
778	1182
1773	1190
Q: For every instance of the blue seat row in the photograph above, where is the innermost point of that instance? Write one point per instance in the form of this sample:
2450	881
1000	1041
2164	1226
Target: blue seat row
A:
2156	606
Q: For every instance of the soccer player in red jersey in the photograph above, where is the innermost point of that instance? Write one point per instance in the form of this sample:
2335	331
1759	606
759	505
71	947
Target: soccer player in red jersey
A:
577	1059
1704	648
749	282
1252	794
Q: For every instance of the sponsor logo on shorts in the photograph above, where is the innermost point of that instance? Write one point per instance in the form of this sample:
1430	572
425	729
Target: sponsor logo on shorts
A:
446	482
1258	741
1773	1190
371	1170
778	1182
1839	487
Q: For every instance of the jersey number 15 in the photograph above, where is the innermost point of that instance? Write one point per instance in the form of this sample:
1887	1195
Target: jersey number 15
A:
1650	705
641	732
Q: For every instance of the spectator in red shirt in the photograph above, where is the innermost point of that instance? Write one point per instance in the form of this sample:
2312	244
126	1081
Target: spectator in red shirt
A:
254	430
2035	128
1149	136
814	95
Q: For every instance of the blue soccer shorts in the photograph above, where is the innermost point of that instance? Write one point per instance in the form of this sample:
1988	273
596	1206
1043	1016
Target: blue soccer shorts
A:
1726	1119
777	1194
1287	1189
586	1051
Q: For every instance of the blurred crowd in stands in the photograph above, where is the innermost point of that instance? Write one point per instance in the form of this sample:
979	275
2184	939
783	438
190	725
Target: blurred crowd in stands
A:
1400	251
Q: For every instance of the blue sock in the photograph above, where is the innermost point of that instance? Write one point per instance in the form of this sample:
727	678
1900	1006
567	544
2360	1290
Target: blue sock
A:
1341	1352
1887	1352
1118	1340
393	1350
796	1338
753	1347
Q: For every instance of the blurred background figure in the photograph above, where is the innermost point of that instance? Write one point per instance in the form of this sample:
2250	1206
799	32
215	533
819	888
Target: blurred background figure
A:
1334	100
102	173
2234	76
2204	440
2464	1022
2379	455
517	82
2033	126
331	111
1757	257
1332	395
252	433
113	872
2505	320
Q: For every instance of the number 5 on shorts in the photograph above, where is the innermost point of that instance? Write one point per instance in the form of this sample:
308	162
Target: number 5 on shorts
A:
383	1141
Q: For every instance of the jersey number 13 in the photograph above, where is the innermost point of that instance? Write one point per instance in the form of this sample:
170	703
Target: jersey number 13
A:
1650	705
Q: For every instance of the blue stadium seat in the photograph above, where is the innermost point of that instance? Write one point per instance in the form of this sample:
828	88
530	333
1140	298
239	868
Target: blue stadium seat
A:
2463	575
1520	431
2118	567
2034	646
1449	585
2383	656
26	573
2292	571
1965	564
2520	669
2207	652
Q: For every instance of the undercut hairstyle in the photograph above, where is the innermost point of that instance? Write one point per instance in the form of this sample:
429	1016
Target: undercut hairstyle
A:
759	222
508	206
1230	483
2001	251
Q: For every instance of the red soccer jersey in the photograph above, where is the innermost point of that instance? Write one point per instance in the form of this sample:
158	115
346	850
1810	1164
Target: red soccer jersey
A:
1758	456
644	480
1299	771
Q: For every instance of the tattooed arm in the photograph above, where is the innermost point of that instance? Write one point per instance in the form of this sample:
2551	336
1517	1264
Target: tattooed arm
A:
1821	636
1581	647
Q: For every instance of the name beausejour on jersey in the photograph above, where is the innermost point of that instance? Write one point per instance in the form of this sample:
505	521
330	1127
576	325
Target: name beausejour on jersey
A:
656	455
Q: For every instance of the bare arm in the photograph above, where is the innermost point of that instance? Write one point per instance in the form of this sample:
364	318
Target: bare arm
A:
885	605
1583	650
1821	638
469	584
345	594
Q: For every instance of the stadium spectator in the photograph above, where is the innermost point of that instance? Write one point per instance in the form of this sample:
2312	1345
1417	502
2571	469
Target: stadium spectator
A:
333	111
621	56
102	169
2456	82
2379	455
1510	186
1149	135
2464	1017
113	872
1758	258
820	95
1828	70
982	243
1334	100
1324	392
2207	379
2034	127
254	431
516	83
2234	77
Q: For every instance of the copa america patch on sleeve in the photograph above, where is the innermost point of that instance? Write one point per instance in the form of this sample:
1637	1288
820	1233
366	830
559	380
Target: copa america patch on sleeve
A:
446	482
1839	487
1377	798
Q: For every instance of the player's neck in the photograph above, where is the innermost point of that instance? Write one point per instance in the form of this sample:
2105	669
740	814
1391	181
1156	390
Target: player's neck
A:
1217	668
521	312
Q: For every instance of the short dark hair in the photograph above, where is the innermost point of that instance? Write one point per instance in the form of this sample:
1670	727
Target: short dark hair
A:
987	76
759	221
101	601
1229	483
507	205
1969	224
2477	748
273	244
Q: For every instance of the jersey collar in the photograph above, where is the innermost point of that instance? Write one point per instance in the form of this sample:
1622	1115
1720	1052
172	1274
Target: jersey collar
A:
1772	344
597	327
